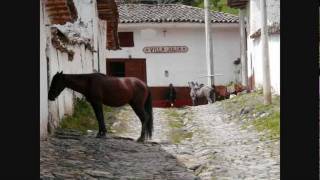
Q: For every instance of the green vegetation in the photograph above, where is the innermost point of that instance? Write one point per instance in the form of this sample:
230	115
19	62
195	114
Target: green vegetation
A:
177	133
262	117
270	123
83	118
217	5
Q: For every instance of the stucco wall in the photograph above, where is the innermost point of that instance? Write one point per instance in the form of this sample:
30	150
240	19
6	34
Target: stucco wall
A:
43	77
273	13
254	46
274	60
84	61
182	67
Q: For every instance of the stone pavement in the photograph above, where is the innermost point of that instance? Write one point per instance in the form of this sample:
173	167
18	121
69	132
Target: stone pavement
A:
201	142
70	155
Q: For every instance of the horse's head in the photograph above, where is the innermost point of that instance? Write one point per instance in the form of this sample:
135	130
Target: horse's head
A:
191	84
57	85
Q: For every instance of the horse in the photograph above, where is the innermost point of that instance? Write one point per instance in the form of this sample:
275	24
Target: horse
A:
224	92
200	91
99	89
171	95
221	92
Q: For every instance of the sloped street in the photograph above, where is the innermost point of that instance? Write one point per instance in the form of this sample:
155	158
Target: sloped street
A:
202	142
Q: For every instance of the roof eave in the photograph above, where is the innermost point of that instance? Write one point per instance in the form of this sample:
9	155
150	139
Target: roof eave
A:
175	25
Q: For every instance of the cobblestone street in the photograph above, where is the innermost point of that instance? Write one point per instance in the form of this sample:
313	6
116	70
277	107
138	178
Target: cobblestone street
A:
202	142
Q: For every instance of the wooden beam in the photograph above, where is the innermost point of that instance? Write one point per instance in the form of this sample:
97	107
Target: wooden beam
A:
57	8
237	3
62	14
53	4
105	10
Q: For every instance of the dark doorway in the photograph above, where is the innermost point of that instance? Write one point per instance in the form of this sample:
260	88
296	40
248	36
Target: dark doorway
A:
127	68
117	69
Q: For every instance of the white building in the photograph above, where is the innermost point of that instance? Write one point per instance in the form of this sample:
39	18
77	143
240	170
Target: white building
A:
73	40
252	18
151	35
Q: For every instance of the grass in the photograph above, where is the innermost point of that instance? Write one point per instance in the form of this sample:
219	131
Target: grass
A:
270	123
83	118
177	134
254	101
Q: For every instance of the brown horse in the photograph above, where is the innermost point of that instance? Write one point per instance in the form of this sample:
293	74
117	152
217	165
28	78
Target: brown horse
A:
100	89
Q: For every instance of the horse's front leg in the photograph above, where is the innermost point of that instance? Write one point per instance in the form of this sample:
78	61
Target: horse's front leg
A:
97	107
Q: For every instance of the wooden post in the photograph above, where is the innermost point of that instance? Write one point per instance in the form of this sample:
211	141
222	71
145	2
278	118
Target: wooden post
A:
265	54
243	49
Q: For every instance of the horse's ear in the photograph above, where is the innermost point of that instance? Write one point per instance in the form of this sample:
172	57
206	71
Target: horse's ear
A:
61	72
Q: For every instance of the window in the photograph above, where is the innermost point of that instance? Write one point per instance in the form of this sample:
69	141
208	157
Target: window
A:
126	39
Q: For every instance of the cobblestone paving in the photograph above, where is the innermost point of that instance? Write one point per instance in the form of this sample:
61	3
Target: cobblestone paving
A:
201	142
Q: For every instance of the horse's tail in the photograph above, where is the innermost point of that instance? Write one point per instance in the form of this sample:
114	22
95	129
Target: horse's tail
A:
149	120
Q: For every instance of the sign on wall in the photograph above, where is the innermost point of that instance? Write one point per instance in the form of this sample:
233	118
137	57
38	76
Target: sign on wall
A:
165	49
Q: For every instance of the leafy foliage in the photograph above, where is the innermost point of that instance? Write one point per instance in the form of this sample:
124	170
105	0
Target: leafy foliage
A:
217	5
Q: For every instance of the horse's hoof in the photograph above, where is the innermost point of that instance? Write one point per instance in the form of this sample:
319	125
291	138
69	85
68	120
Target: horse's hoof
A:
101	135
140	140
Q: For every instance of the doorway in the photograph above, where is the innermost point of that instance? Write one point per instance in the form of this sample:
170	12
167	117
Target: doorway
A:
120	67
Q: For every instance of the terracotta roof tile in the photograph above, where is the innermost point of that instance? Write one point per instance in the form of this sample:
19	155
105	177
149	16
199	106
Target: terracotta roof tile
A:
142	13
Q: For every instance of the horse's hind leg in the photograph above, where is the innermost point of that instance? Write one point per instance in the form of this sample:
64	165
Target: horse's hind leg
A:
97	107
209	99
142	114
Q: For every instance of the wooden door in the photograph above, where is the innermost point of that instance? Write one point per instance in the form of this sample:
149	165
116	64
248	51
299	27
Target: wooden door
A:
136	68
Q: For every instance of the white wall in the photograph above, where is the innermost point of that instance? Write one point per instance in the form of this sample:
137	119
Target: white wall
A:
182	67
84	61
43	77
273	13
274	60
254	46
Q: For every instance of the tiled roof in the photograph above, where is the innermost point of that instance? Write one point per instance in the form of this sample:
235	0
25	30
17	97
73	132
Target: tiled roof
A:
145	13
